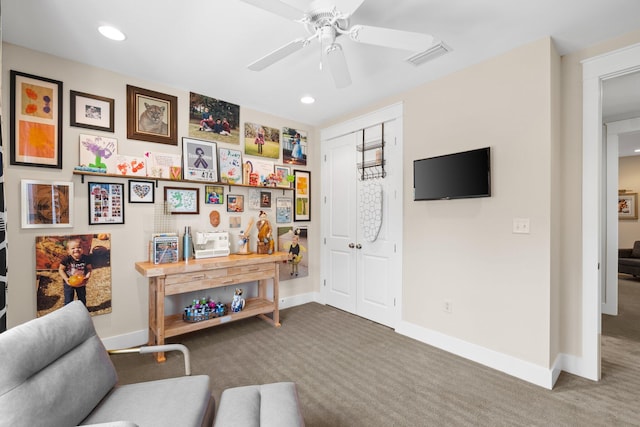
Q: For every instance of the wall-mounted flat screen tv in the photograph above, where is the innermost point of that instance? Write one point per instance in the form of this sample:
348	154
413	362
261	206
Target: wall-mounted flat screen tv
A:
453	176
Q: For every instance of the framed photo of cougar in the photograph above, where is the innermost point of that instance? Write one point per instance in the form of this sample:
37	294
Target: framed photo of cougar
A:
152	116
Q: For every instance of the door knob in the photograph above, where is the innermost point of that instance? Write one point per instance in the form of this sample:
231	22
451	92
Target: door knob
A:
351	245
358	246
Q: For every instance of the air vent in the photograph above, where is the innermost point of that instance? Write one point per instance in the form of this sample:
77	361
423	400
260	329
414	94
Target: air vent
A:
433	52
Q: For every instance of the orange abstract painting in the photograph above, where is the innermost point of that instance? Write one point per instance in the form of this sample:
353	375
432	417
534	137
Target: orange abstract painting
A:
37	140
37	101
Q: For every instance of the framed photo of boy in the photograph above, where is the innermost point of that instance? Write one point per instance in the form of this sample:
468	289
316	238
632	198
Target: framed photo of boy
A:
47	204
302	205
106	203
152	116
141	191
91	111
36	121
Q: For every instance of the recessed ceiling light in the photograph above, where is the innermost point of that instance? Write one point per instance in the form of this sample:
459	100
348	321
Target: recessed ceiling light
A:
111	33
636	150
307	99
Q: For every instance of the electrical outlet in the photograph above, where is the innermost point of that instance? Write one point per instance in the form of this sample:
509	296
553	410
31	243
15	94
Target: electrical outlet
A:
521	225
448	306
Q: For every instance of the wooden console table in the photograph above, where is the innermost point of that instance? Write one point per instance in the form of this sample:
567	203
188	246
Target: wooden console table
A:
198	274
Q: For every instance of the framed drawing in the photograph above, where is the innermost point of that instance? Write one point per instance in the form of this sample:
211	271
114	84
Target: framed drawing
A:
91	111
36	121
628	206
302	205
47	204
235	203
214	194
282	172
265	199
141	191
152	116
199	160
182	200
106	203
283	210
230	166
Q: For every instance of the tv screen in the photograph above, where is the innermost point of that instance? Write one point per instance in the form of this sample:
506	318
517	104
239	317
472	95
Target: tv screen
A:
453	176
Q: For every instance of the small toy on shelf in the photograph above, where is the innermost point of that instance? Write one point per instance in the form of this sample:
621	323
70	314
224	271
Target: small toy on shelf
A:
238	302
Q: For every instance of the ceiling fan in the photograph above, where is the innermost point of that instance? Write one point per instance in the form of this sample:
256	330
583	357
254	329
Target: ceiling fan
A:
326	22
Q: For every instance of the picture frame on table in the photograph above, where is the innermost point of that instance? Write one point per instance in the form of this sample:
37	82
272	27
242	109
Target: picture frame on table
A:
199	160
141	191
181	200
152	116
35	134
282	172
106	203
46	204
627	206
302	202
91	111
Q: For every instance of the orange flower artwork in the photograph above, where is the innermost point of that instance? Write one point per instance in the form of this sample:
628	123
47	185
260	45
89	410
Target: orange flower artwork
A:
37	140
37	101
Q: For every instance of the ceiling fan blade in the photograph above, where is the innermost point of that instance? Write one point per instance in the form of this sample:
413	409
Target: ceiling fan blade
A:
397	39
277	55
346	7
338	66
277	7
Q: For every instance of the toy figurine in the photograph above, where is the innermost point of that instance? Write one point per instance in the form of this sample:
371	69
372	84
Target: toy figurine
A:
265	236
238	302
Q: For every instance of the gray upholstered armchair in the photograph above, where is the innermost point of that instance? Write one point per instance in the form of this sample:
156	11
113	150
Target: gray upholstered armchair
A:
54	371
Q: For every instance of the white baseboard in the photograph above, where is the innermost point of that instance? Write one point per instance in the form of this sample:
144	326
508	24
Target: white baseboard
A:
138	338
524	370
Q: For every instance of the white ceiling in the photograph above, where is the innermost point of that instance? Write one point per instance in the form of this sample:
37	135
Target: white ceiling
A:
205	46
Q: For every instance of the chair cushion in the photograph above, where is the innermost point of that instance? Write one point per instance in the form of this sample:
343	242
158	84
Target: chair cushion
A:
156	403
635	252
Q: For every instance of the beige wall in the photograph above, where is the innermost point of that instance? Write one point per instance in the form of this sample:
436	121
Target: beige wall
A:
129	241
629	179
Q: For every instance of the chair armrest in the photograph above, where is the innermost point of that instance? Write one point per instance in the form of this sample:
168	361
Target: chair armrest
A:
160	348
624	253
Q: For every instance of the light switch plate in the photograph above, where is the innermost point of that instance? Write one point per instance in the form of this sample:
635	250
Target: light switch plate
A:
521	225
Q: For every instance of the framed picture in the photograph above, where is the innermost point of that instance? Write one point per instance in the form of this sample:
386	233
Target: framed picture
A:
214	194
47	204
213	119
199	160
230	166
262	141
282	172
91	111
99	152
302	205
36	121
152	116
141	191
283	210
235	203
106	203
294	146
265	199
628	206
182	200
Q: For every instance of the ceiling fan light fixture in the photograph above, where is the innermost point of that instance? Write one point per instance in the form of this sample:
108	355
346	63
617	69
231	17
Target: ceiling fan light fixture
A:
430	54
111	33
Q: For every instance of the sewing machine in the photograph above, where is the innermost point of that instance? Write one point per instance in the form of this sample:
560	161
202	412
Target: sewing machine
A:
211	244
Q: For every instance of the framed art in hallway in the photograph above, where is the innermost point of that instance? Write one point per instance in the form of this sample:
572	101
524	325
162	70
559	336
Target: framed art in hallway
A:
182	200
35	134
627	205
152	116
47	204
106	203
141	191
302	203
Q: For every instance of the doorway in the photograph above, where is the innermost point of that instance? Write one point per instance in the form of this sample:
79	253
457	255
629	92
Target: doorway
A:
595	71
361	255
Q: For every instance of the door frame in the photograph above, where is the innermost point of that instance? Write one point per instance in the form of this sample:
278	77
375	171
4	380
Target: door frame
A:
385	114
594	71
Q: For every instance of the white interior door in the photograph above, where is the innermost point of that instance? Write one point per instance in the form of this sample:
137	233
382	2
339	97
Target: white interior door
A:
361	276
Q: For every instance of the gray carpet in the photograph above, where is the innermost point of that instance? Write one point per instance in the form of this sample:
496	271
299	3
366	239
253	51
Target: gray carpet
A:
353	372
